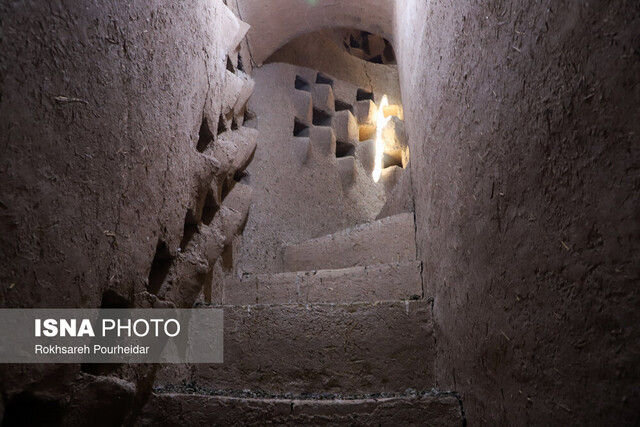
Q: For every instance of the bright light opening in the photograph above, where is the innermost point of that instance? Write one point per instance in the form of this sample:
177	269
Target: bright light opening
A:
381	122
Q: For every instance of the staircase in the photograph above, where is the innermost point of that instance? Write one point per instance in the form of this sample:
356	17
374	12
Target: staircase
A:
344	337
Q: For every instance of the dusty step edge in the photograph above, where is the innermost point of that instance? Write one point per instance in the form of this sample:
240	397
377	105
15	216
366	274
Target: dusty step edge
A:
194	389
383	282
387	240
432	407
310	305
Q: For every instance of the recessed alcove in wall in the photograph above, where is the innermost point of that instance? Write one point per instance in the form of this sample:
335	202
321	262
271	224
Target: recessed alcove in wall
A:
363	95
210	208
240	64
205	136
321	118
341	106
302	84
189	230
323	79
390	160
160	266
300	129
344	149
222	125
367	46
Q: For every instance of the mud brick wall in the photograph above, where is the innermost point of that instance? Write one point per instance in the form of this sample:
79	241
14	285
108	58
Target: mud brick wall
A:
523	126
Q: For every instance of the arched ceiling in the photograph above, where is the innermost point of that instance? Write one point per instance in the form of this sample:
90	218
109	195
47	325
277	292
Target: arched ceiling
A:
275	22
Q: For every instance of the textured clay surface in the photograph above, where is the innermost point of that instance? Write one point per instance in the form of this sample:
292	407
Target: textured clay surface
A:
329	348
523	125
181	409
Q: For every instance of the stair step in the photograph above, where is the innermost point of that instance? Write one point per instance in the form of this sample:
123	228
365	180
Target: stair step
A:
382	282
386	240
335	348
203	410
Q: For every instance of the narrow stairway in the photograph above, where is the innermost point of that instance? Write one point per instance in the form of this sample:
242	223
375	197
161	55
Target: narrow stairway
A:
345	336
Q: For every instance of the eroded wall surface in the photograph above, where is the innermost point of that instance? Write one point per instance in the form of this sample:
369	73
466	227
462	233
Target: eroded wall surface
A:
103	154
523	129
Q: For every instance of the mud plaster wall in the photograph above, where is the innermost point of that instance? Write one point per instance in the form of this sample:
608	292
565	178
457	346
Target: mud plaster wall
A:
100	109
523	125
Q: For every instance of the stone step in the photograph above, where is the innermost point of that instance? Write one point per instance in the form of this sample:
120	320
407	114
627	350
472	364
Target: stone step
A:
382	282
202	410
320	348
383	241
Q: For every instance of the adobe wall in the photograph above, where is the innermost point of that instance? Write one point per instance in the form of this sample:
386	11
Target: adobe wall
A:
523	130
103	153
